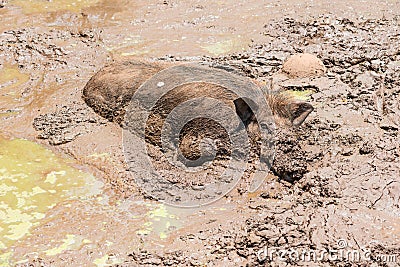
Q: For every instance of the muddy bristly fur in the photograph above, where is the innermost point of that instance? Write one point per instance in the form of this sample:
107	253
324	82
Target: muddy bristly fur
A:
110	90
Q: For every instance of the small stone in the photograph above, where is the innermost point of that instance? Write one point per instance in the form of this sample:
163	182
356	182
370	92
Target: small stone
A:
267	233
366	148
366	80
198	187
347	151
254	239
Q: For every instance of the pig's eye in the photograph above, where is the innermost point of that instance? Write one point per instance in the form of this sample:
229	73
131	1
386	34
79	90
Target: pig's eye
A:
264	126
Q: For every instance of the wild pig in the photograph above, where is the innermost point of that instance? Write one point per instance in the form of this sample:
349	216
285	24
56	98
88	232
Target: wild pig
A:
110	91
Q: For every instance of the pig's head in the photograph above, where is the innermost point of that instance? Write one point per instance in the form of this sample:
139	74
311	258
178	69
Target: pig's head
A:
286	111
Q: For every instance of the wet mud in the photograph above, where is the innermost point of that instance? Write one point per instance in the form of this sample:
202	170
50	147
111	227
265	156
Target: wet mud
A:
335	179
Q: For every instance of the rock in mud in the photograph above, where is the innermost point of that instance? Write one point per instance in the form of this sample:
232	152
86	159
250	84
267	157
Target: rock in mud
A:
303	65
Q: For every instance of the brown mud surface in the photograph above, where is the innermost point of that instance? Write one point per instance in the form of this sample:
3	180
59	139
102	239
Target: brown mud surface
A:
343	161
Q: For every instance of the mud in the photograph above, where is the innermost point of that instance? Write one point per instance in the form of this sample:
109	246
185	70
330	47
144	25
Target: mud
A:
64	125
343	161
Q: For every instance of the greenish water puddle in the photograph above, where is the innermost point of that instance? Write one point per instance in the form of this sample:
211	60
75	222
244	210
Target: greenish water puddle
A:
11	89
161	220
32	181
224	47
301	95
41	6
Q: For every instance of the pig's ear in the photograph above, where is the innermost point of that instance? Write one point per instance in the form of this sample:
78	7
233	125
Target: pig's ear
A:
299	112
245	109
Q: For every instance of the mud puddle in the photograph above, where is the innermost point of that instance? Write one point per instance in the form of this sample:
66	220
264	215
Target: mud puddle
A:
12	90
159	28
34	180
49	208
346	155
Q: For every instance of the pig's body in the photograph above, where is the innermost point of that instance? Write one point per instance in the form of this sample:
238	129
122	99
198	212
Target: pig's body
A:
110	90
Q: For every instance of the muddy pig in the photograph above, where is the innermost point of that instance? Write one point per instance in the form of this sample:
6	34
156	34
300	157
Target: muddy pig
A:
110	90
